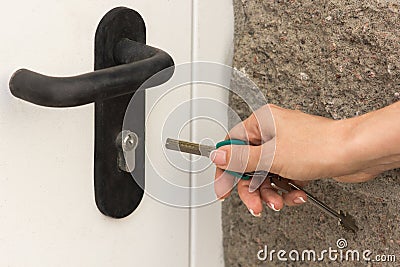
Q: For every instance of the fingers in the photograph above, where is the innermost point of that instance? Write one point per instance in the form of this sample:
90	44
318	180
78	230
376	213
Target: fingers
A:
294	198
273	200
244	158
252	200
257	128
256	182
223	184
246	130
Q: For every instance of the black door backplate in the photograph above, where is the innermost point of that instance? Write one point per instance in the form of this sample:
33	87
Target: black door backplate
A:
116	192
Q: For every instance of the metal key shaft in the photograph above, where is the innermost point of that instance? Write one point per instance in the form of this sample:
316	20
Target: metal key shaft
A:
344	219
189	147
285	185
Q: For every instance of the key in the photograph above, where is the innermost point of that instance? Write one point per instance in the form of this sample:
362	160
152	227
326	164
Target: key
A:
188	147
281	184
204	150
285	185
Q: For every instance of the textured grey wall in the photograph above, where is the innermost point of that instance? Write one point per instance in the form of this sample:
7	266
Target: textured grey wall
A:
337	59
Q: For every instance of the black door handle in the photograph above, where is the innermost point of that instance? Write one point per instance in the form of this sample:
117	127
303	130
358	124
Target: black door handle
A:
123	62
137	62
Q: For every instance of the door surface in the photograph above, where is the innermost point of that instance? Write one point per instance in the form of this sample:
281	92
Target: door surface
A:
48	213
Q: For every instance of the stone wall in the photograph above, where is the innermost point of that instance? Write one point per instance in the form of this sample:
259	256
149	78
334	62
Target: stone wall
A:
336	59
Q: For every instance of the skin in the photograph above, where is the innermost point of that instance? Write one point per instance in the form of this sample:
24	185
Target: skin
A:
304	147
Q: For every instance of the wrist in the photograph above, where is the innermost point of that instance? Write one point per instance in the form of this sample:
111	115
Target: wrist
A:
370	141
349	148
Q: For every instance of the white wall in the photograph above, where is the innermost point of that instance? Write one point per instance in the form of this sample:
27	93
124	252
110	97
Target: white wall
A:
212	41
48	214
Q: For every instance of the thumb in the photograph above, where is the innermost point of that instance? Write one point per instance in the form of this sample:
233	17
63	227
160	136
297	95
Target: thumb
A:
241	159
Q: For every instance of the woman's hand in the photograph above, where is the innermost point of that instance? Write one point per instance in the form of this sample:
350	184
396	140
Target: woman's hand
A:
304	147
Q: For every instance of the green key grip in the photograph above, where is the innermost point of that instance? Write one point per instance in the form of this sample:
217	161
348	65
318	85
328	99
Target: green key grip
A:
234	142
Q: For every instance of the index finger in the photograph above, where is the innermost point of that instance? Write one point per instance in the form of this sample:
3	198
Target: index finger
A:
257	128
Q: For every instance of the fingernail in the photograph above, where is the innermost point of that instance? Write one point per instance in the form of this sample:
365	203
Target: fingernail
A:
255	215
272	206
218	157
299	200
222	199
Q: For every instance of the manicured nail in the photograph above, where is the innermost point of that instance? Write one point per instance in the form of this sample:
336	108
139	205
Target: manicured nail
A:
255	215
299	200
218	157
272	206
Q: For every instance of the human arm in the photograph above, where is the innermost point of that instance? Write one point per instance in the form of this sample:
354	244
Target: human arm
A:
304	147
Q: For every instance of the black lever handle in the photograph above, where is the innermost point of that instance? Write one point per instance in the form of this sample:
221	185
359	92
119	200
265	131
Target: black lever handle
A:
138	62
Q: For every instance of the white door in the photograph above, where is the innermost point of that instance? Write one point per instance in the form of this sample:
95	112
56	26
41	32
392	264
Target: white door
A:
48	213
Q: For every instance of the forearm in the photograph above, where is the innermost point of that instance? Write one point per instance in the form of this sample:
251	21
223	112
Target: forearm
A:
374	140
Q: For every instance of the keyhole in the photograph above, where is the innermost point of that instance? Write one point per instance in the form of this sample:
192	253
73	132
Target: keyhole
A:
127	142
